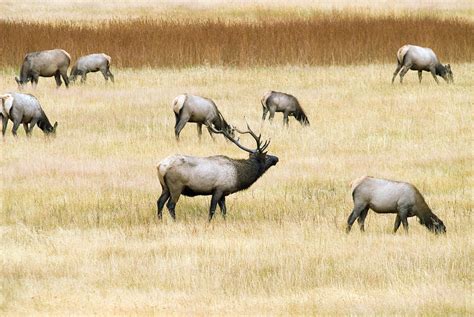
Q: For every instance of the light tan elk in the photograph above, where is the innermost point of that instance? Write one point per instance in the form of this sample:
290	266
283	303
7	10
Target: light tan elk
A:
92	63
24	109
217	176
412	57
274	101
200	110
45	64
386	196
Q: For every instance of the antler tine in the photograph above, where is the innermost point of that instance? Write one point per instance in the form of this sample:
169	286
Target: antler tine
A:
265	145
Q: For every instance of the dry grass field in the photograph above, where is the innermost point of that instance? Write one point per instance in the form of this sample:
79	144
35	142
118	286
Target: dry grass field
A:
78	227
79	233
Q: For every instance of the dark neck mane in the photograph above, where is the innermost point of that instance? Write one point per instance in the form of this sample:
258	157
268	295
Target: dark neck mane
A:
248	171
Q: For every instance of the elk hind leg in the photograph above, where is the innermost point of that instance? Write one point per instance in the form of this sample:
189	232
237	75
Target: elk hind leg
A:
361	219
160	203
395	73
356	212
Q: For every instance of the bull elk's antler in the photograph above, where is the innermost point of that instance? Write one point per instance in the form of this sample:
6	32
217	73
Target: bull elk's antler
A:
259	148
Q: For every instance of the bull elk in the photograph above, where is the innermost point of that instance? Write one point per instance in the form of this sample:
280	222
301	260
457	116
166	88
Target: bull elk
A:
217	176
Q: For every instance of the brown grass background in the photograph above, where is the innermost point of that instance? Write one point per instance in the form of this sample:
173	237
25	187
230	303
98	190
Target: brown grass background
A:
337	37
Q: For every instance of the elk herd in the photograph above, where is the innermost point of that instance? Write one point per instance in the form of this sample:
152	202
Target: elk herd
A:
219	176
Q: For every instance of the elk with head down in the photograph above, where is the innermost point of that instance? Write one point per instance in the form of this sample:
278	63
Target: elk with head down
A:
217	176
412	57
274	101
200	110
92	63
386	196
44	64
24	109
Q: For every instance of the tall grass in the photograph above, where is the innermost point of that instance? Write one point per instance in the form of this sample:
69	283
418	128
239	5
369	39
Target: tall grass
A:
339	38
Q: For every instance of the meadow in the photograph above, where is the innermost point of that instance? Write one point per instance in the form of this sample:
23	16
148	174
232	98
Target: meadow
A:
78	226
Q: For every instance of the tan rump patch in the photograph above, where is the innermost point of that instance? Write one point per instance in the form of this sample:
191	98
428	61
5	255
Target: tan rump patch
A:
265	97
178	103
67	54
107	57
7	104
401	52
357	181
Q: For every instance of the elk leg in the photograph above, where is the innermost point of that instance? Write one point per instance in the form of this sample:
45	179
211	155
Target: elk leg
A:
57	77
160	203
65	78
403	214
4	125
265	111
32	124
34	81
16	124
420	75
83	77
25	126
216	197
110	75
223	207
399	66
361	219
433	73
285	118
398	221
105	74
272	114
179	126
354	215
199	130
404	70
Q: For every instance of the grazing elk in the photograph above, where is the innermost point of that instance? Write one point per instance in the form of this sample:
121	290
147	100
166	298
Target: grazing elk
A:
386	196
24	108
274	101
45	64
217	176
200	110
90	64
421	59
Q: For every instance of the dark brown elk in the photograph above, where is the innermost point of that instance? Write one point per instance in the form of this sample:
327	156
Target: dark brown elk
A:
386	196
217	176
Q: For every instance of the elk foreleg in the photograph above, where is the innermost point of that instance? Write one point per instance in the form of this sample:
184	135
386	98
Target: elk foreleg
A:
285	118
199	130
420	75
111	76
433	73
216	197
223	207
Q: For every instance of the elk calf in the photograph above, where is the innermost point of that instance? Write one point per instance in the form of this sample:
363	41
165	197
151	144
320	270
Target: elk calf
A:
386	196
90	64
24	108
217	176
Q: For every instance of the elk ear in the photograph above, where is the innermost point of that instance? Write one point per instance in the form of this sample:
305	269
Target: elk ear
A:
17	80
55	126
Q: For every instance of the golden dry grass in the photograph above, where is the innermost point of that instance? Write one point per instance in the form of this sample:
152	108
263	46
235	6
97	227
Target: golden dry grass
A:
319	38
78	227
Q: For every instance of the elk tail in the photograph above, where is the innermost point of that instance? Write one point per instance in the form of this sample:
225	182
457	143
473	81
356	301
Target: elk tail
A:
108	58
